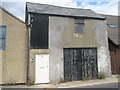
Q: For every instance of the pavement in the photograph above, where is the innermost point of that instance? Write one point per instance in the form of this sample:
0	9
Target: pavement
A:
72	84
112	85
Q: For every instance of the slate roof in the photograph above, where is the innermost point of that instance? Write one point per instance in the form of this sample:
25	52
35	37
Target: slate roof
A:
61	11
113	33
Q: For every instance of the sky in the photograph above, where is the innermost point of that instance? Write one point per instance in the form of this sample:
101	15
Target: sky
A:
17	7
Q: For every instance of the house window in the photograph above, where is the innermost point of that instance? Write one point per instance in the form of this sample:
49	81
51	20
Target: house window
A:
79	25
2	37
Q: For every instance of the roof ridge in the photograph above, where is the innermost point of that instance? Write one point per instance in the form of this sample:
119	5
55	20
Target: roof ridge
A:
110	15
59	10
58	6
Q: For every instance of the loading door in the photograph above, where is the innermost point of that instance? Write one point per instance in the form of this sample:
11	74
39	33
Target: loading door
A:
80	63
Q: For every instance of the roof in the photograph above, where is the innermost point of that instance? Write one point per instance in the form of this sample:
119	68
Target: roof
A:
11	14
113	33
61	11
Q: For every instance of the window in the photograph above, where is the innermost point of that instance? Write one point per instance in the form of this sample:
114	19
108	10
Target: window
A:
2	37
112	26
79	25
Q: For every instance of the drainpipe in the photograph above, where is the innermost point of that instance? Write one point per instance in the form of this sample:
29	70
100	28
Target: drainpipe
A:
27	76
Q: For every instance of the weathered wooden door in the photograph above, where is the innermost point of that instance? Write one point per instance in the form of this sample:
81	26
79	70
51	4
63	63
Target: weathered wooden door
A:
115	61
80	63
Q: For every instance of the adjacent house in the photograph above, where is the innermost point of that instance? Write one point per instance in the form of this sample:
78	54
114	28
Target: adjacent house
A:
13	49
66	44
114	42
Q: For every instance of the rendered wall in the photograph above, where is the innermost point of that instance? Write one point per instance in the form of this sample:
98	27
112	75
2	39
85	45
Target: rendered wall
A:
14	57
61	35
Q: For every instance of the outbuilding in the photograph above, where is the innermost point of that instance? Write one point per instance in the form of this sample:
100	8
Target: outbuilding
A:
66	44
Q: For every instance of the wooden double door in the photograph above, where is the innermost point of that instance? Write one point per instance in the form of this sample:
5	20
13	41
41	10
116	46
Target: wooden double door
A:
80	63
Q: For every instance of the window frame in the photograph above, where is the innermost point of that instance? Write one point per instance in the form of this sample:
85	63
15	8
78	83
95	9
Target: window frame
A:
3	38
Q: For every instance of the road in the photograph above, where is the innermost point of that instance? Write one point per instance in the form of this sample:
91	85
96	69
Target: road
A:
111	86
107	85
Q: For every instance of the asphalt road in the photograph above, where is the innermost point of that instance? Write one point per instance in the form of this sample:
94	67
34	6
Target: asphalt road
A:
107	85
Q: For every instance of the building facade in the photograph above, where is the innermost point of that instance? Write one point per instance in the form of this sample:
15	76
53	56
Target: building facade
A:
13	49
66	44
114	42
